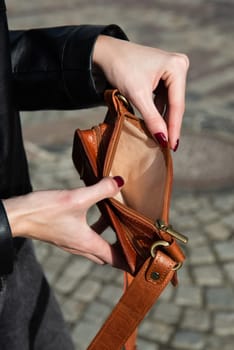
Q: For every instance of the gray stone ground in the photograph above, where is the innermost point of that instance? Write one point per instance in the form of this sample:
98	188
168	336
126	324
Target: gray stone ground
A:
199	314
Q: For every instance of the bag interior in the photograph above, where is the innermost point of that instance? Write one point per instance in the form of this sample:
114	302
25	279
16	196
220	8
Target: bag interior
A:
141	163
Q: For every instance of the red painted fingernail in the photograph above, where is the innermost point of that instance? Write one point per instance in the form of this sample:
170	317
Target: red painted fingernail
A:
119	180
176	145
161	138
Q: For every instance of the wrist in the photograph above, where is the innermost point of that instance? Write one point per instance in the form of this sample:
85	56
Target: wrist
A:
103	51
14	208
98	64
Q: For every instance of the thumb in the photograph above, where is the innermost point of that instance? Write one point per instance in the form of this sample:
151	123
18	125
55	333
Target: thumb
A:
106	188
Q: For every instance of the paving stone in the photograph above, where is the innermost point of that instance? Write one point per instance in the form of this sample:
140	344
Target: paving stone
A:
229	220
224	202
83	333
187	204
109	235
104	273
155	331
217	231
168	313
215	342
207	215
208	275
42	250
225	250
184	223
188	340
201	255
61	254
184	275
97	312
72	309
88	290
168	293
203	201
224	323
189	296
196	237
53	267
120	279
111	294
143	344
219	298
229	269
72	274
196	319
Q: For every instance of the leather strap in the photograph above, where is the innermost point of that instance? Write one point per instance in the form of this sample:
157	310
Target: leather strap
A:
6	243
142	293
130	344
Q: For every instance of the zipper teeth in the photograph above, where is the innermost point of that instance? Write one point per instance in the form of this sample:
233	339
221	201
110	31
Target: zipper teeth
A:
136	216
135	247
143	220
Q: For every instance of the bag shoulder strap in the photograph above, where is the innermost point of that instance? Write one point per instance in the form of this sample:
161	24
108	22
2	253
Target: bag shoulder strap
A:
142	293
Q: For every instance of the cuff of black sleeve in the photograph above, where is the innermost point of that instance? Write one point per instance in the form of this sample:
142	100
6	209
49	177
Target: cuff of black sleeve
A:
6	244
77	63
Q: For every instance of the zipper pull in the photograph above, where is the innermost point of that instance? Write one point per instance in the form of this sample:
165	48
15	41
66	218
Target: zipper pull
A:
160	224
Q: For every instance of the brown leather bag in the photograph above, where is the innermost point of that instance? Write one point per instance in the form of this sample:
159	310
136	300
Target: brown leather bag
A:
122	145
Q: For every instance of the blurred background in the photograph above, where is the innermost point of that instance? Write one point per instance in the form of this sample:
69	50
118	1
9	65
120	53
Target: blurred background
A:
199	314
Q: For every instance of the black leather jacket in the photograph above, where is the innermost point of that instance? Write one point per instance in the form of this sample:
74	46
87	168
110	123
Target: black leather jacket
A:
47	68
52	69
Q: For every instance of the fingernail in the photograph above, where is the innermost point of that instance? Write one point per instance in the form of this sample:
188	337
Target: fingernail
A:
161	138
119	180
176	145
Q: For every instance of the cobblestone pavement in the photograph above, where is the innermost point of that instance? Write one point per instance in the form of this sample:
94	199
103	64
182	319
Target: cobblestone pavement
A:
199	314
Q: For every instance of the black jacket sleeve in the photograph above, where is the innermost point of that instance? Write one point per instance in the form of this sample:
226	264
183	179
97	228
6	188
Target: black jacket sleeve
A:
52	67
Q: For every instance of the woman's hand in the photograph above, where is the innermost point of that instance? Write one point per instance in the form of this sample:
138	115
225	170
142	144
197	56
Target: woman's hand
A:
138	71
59	217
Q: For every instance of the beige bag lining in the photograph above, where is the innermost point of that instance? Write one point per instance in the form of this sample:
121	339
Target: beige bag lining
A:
140	161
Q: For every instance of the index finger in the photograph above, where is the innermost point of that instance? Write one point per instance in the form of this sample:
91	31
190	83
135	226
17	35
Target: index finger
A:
176	84
176	108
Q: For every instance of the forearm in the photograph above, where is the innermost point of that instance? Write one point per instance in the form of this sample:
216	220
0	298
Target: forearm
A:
53	67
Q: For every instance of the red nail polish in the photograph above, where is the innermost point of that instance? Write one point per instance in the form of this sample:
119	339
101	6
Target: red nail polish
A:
119	180
176	145
161	138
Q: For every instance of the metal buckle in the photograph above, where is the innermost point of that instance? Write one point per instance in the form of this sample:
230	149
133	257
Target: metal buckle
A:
124	100
157	244
163	244
178	266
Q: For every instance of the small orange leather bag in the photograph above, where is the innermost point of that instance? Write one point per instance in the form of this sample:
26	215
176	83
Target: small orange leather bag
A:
139	214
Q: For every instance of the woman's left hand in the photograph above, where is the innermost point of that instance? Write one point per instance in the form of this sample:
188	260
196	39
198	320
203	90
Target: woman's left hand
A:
139	71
